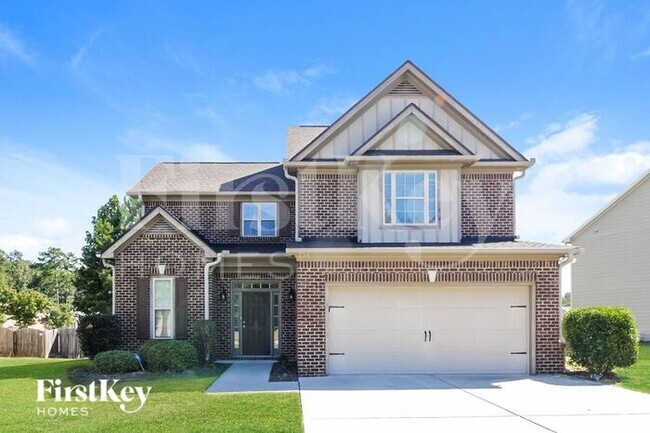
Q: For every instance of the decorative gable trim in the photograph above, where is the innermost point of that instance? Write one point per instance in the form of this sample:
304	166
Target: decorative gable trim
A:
157	220
418	79
422	121
405	88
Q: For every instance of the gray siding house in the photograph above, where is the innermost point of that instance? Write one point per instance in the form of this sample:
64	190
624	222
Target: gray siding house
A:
614	268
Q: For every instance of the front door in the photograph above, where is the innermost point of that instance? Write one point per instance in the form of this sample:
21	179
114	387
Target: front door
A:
256	323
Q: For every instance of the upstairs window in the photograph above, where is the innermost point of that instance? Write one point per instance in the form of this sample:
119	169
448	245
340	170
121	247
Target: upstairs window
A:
410	198
259	219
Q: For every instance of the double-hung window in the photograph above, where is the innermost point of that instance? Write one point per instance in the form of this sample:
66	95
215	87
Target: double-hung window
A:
259	219
410	197
162	304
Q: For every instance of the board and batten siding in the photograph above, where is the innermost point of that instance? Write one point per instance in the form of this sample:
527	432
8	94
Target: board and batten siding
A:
614	268
371	211
380	113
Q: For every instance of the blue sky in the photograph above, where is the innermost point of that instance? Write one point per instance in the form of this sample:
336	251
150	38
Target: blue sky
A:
92	94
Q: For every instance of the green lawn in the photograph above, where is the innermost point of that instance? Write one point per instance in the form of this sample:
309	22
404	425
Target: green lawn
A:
176	403
637	377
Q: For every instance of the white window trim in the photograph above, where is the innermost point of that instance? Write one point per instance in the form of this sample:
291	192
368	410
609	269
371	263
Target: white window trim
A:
153	308
259	219
393	193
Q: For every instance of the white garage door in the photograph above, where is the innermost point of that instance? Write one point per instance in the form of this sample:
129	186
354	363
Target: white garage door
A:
427	329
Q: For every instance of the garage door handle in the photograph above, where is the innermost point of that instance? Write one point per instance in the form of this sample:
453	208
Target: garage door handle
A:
518	353
425	336
429	336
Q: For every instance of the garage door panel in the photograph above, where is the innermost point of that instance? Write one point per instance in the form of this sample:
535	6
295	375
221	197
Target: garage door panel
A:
473	329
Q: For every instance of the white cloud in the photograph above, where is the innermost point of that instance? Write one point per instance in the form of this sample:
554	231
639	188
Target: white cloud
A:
29	245
513	124
565	188
12	47
594	26
147	140
282	81
328	109
54	226
574	136
45	202
183	58
76	60
641	54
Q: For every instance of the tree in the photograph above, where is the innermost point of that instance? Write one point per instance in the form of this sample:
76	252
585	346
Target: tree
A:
93	280
25	306
58	316
56	275
20	272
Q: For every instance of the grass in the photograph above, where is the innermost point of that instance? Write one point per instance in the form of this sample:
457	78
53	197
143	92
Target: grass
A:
176	403
637	377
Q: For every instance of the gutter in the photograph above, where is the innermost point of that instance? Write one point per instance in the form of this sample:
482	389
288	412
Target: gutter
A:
297	203
206	284
112	266
433	250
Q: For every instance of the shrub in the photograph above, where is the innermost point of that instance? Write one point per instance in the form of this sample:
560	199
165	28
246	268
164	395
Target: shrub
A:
115	361
600	339
98	333
204	337
169	356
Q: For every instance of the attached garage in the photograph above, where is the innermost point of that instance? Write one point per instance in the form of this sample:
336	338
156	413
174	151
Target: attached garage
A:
428	328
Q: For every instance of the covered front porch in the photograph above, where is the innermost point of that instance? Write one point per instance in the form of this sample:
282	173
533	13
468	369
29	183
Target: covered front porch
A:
252	301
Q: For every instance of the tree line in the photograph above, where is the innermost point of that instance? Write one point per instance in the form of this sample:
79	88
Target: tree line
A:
58	285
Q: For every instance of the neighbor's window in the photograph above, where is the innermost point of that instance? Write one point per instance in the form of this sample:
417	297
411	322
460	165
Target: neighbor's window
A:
259	219
163	307
410	197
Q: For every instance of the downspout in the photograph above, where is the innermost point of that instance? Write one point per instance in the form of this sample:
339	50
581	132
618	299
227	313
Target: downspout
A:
297	206
569	259
112	266
206	283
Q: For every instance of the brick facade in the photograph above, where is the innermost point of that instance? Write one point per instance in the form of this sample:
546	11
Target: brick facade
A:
487	204
328	205
138	260
212	220
312	277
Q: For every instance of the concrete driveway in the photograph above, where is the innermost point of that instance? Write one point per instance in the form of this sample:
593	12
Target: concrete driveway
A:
454	403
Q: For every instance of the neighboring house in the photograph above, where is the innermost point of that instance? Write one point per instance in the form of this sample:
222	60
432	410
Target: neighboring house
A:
614	268
399	256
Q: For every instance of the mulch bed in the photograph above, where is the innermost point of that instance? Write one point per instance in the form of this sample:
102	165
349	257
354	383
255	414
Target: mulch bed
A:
284	372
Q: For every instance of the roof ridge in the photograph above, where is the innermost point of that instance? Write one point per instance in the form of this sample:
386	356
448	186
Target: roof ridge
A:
220	162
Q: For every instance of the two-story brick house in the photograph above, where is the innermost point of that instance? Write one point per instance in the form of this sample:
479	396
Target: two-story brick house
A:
384	242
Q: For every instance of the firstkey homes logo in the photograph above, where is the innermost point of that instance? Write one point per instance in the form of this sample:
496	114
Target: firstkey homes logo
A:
130	398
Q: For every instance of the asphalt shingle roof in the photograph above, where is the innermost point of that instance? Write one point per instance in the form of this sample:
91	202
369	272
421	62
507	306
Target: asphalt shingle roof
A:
211	178
298	137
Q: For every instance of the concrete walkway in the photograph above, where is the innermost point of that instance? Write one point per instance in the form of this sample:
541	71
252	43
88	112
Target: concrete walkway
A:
426	403
249	376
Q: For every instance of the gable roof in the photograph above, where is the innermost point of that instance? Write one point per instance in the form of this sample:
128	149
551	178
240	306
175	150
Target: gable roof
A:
424	122
609	206
396	80
149	221
300	136
207	178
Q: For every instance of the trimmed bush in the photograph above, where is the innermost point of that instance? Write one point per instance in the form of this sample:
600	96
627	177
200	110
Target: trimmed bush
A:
115	361
98	333
173	356
600	339
204	338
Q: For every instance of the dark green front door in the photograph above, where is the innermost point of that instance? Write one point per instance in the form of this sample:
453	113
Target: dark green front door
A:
256	323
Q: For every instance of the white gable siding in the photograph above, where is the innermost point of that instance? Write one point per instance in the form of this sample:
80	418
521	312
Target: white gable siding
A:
614	268
408	136
380	113
372	230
